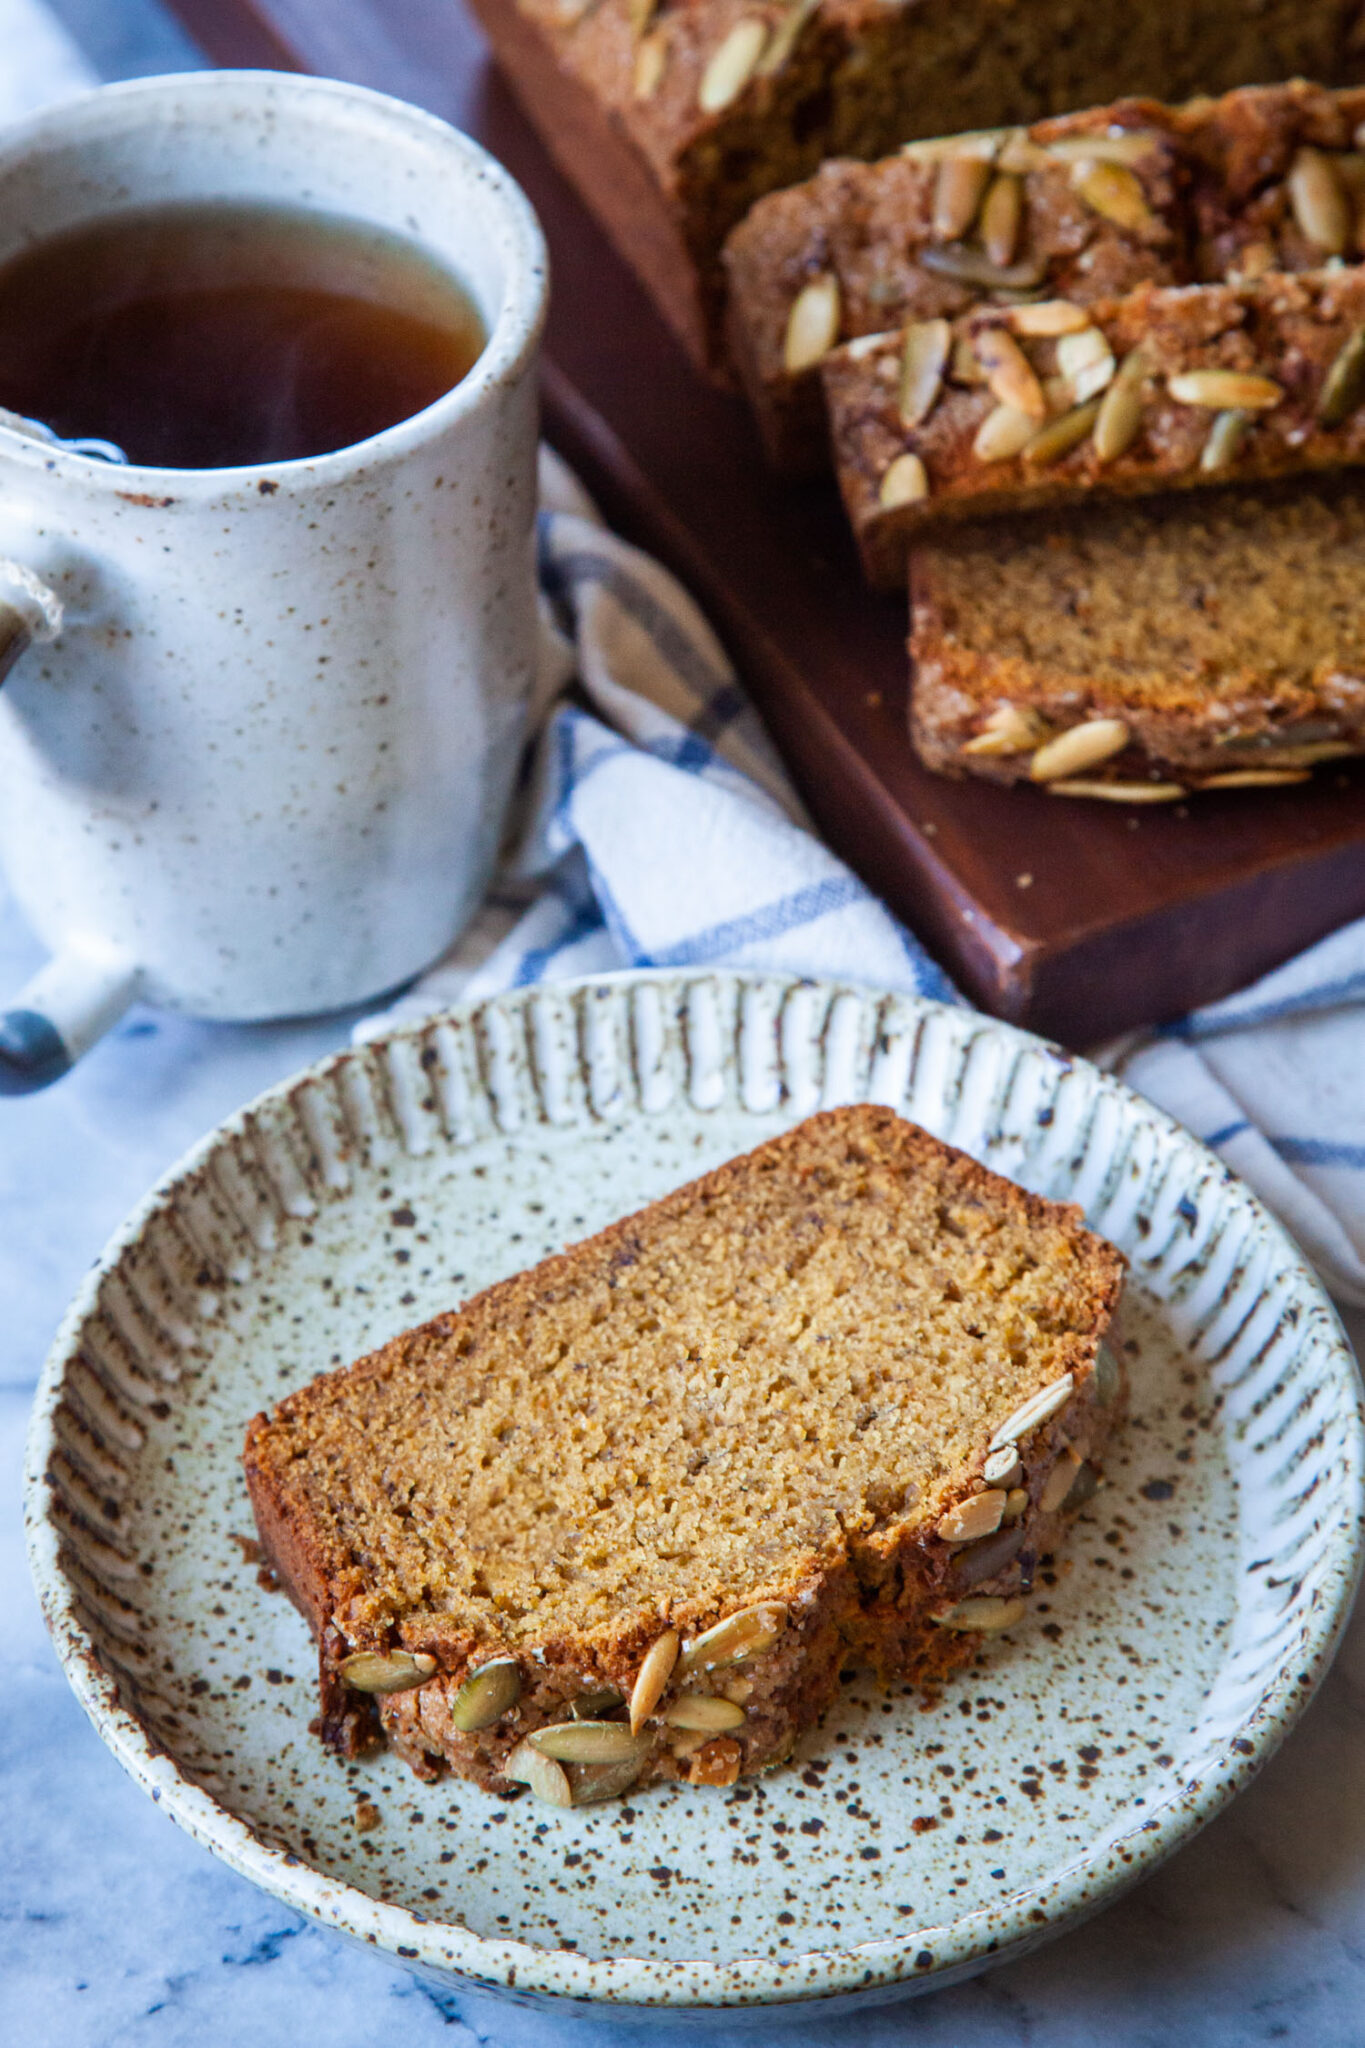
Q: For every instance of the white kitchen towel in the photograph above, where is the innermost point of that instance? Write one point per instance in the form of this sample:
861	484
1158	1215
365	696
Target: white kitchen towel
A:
658	829
41	63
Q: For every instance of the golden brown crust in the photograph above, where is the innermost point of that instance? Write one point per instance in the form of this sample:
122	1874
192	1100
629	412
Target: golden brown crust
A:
868	1590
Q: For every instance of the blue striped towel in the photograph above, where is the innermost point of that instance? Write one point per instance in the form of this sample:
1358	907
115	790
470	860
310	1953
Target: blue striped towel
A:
658	829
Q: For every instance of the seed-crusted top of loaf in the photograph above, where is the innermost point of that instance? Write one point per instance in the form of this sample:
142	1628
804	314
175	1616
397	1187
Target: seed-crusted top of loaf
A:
725	100
946	397
712	1400
1223	632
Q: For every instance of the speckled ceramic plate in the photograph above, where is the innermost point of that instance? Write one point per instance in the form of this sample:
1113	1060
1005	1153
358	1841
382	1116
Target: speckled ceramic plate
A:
1198	1607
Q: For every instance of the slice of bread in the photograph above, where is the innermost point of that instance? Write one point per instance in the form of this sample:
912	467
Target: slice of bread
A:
1178	388
1142	651
827	1405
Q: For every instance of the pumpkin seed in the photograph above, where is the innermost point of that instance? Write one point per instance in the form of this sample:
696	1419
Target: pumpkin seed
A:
396	1671
717	1717
595	1706
1038	1408
546	1778
1343	387
591	1782
984	1560
1108	1376
486	1695
732	64
1059	1480
974	266
923	361
745	1634
653	1677
1060	436
588	1742
1071	753
812	324
978	1515
1083	1488
985	1614
906	482
1319	201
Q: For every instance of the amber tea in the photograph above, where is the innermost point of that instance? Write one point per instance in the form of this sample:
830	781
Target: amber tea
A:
207	336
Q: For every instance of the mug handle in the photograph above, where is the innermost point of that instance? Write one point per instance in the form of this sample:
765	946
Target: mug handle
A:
69	1004
30	611
78	996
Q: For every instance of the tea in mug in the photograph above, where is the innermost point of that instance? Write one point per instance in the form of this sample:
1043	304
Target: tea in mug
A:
210	335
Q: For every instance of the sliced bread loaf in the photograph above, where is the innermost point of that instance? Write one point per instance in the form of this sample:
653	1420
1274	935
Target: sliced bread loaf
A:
910	289
674	116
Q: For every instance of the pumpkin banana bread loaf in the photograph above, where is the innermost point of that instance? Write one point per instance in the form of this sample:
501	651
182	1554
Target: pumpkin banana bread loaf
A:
1146	649
917	252
674	118
627	1516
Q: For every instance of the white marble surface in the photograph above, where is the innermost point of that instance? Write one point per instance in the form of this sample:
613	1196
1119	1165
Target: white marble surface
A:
118	1930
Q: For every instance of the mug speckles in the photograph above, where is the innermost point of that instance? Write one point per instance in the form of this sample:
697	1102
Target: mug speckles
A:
267	755
1161	1661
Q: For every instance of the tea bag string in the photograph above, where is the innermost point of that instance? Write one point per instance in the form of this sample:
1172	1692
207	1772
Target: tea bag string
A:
86	444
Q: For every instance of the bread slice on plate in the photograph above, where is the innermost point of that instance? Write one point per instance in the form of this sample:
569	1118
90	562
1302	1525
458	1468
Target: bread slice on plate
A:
628	1515
1140	652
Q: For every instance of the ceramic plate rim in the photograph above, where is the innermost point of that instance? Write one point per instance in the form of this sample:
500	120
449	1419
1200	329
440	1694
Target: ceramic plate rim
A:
632	1985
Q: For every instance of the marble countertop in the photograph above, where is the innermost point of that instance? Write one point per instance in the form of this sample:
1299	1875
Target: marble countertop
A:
121	1930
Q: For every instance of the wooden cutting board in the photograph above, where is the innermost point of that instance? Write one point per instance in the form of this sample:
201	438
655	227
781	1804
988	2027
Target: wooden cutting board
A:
1076	920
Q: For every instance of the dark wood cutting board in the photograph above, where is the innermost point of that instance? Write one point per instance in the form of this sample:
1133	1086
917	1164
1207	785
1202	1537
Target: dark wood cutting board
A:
1075	919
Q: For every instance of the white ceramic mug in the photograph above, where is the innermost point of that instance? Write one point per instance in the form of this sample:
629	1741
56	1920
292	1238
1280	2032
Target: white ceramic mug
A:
256	757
